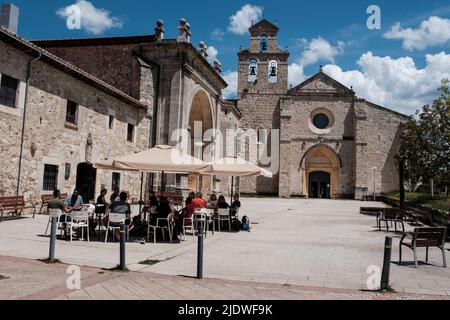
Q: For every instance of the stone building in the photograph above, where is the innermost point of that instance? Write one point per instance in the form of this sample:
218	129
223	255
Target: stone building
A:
98	98
332	144
67	120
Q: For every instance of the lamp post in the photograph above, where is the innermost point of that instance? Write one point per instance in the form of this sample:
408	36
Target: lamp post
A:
374	183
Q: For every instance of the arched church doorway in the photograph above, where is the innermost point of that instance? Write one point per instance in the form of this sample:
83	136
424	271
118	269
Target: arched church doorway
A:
319	185
86	179
200	113
321	173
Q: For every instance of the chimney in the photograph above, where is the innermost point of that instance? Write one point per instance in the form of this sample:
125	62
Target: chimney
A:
9	18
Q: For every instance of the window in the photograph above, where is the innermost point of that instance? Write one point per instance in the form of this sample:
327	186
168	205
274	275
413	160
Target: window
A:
115	180
50	177
71	112
321	121
130	133
111	122
273	71
252	71
264	44
8	91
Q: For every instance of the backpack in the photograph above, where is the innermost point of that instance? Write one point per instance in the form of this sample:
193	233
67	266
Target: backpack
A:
245	223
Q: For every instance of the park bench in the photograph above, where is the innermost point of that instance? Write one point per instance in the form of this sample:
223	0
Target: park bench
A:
391	215
15	206
371	211
45	199
425	238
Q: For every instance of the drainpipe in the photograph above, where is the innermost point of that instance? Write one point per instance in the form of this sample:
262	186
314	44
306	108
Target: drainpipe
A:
22	138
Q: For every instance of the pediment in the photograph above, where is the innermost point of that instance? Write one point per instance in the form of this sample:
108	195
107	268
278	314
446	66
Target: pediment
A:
321	84
263	24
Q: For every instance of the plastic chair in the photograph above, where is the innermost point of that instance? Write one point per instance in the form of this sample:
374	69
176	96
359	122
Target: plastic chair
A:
54	213
160	225
116	218
210	215
79	220
224	216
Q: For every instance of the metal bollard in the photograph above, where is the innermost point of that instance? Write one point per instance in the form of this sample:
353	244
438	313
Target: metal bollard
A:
200	253
51	257
386	263
122	247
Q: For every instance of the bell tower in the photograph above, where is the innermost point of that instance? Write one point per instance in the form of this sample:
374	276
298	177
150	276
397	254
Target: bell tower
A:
263	68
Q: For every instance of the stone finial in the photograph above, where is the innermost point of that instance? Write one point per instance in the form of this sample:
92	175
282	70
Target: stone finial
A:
184	31
159	30
217	66
203	49
321	68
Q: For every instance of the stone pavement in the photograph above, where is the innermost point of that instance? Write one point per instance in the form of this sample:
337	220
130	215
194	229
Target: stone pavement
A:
34	280
306	243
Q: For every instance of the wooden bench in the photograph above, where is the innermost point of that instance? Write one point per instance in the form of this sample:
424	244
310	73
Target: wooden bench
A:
14	205
45	199
425	238
391	215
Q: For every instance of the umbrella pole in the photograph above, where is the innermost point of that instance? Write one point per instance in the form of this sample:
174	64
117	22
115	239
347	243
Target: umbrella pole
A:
232	189
162	184
140	196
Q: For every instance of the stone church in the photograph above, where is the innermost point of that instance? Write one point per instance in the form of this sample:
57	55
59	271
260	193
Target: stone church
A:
68	103
332	144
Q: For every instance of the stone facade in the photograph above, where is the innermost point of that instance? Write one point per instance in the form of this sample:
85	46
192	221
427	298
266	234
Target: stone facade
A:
50	140
352	155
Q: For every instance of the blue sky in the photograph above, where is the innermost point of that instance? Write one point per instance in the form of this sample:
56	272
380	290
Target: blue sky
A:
398	68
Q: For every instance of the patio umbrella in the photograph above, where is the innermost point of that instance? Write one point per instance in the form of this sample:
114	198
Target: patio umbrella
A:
235	167
161	158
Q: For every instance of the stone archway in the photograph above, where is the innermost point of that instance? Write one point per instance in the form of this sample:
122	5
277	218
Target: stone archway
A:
200	112
319	162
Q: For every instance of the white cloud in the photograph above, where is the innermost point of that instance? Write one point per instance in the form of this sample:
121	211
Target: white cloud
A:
395	83
217	34
432	32
318	49
212	53
241	21
231	77
93	20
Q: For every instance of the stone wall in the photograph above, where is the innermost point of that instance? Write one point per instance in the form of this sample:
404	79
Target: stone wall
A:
48	140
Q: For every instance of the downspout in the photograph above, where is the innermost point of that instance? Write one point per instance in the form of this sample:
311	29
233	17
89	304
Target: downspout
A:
22	138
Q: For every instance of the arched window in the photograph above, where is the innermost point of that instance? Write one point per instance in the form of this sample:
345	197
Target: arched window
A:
273	71
252	70
264	44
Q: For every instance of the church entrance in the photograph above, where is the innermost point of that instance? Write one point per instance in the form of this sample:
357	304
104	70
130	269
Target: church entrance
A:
86	179
321	173
319	185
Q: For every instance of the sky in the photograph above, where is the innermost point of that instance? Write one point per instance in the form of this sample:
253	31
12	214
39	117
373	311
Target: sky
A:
399	65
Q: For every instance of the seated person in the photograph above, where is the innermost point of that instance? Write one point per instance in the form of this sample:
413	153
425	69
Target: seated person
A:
102	204
199	202
212	202
115	196
121	207
56	202
162	212
236	205
74	202
188	211
222	203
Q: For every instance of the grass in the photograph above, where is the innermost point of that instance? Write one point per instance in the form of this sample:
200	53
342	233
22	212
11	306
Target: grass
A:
439	202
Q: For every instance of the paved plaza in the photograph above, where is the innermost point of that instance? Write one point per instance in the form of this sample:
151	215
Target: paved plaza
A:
300	248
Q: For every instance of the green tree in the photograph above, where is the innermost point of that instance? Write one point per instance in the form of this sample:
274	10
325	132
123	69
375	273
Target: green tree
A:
425	142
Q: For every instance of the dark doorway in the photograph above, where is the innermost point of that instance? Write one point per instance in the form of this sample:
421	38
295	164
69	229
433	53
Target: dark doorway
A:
319	185
86	178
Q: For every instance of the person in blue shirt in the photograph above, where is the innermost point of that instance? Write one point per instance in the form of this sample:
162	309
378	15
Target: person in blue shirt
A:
74	202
